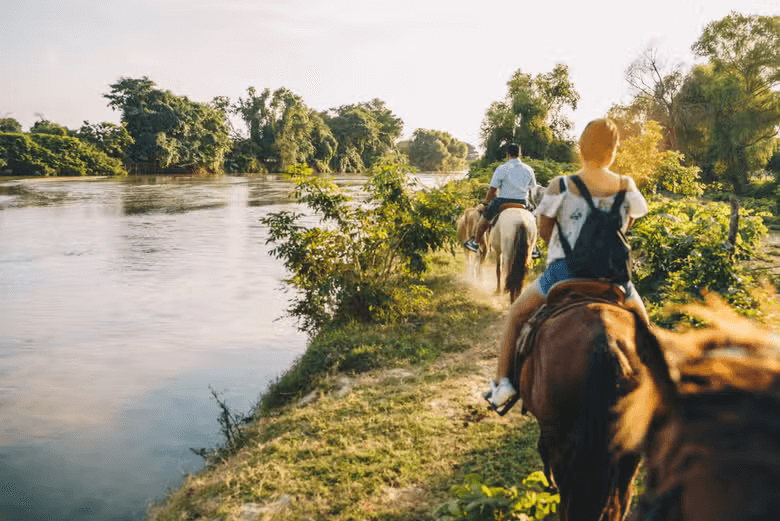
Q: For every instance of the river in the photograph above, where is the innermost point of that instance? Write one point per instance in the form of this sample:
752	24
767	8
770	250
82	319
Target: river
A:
122	302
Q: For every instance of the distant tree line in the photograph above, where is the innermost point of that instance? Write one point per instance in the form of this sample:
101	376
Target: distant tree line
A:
164	132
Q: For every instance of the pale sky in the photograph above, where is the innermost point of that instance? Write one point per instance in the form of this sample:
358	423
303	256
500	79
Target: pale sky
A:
436	64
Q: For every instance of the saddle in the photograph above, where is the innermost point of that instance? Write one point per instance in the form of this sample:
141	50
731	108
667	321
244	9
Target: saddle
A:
562	297
504	207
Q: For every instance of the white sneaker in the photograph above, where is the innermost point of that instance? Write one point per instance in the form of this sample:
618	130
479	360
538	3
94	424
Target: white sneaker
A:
502	392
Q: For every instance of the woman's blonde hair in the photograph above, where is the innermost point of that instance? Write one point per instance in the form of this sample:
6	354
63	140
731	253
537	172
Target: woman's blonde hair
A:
598	141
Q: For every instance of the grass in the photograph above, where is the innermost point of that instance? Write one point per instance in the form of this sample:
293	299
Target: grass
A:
392	418
378	422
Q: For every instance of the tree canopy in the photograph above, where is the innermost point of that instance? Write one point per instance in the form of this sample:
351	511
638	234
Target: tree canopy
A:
436	151
532	114
169	130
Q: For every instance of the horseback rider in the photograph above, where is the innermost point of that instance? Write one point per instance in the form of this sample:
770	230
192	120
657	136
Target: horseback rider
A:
563	210
513	180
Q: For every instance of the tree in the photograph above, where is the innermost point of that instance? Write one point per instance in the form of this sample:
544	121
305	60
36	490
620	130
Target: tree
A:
533	115
44	126
656	85
169	130
283	131
732	103
365	132
435	151
110	138
10	125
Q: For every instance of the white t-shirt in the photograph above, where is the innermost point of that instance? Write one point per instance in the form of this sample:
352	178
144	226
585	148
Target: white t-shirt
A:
513	179
570	211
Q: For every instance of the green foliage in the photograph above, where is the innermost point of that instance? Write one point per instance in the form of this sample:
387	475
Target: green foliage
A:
365	133
109	138
731	105
654	169
42	154
436	151
283	132
170	130
10	125
680	250
479	502
533	115
44	126
365	261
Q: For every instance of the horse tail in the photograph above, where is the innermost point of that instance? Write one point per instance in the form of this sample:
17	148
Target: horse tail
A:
595	474
517	264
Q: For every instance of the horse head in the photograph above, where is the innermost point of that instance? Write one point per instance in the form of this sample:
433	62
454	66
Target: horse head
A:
706	416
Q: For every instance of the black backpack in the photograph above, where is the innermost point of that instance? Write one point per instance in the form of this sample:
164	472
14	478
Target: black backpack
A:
601	250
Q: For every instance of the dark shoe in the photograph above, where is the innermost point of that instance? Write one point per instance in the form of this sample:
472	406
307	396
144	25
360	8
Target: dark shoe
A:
471	245
535	254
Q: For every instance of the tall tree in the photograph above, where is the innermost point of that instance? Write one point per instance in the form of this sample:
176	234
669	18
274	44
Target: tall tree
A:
656	85
169	130
733	101
283	131
365	132
533	114
436	151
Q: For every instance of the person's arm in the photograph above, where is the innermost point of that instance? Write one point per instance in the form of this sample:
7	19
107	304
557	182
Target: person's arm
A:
546	224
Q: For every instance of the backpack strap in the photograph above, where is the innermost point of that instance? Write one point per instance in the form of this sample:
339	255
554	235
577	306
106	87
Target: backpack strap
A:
583	190
619	197
561	237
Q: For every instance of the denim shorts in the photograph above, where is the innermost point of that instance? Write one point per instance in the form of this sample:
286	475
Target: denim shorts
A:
556	272
492	209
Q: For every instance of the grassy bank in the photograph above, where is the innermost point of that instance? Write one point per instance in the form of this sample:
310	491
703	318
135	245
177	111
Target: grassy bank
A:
374	422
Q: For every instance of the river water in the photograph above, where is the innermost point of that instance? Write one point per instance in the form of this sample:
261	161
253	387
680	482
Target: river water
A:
122	302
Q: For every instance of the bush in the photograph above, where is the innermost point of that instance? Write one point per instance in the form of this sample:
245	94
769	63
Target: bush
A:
680	250
365	261
52	155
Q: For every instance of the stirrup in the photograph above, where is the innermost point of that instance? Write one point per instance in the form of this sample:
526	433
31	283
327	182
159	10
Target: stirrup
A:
504	408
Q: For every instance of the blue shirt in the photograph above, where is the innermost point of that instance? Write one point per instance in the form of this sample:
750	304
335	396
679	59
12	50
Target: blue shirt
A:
513	179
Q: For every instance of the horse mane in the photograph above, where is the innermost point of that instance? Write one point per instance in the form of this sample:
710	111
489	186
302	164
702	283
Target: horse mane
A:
732	356
715	406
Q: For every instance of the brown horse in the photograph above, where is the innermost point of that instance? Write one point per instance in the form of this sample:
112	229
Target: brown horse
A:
707	417
581	357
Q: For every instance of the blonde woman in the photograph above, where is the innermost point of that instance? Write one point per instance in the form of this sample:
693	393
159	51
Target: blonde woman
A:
564	210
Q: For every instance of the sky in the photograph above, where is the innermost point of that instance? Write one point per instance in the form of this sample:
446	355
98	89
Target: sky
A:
436	64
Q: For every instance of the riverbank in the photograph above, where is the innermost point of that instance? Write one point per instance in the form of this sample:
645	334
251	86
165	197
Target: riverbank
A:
387	442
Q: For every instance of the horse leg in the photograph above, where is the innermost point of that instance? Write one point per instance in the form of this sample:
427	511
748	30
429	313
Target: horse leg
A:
498	273
544	453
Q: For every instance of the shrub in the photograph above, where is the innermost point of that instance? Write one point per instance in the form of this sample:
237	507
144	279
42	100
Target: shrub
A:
44	154
365	261
680	250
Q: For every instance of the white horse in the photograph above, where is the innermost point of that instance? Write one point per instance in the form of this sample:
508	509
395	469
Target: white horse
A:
512	239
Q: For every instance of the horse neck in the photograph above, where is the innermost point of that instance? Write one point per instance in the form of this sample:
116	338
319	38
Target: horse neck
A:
715	456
